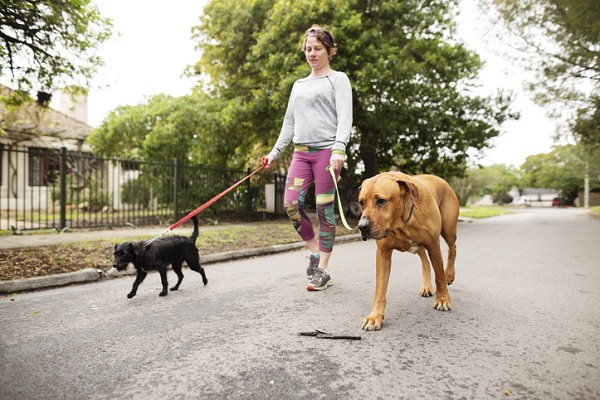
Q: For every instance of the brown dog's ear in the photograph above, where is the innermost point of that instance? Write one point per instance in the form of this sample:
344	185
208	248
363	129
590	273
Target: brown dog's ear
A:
413	192
410	187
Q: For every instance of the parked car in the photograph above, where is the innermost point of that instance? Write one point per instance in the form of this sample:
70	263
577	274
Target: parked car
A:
556	202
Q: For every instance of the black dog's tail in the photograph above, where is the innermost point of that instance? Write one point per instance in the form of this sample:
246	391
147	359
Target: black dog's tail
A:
195	233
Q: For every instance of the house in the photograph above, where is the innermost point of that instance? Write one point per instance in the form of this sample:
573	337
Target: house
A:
32	125
31	138
534	197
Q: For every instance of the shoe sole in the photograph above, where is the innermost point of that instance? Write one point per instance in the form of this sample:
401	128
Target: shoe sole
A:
311	288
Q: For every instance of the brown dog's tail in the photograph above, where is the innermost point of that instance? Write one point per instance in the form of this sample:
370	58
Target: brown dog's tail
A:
195	232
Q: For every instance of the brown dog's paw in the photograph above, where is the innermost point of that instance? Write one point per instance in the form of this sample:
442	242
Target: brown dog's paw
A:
449	273
442	304
372	322
426	291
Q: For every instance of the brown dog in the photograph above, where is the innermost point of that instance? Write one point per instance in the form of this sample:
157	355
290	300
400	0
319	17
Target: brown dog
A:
409	213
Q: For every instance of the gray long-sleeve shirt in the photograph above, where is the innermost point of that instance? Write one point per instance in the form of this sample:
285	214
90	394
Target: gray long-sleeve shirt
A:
318	115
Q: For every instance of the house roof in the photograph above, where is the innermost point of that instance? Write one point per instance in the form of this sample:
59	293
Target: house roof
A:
32	123
537	191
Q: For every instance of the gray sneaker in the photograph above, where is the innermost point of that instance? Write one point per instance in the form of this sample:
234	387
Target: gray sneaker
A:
313	264
321	280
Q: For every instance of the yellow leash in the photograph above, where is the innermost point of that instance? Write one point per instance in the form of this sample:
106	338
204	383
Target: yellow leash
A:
342	217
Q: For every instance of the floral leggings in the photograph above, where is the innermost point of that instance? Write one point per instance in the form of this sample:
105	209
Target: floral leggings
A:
308	166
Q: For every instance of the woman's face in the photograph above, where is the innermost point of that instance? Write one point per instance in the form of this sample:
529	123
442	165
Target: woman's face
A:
316	53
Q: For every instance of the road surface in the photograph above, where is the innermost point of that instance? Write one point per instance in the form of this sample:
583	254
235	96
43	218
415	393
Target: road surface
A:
525	324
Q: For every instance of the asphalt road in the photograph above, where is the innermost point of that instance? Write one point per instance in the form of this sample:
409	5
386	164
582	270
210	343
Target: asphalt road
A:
525	324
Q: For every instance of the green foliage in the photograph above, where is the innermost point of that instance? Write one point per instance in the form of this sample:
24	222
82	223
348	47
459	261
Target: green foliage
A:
137	192
187	128
411	80
49	44
564	169
496	180
413	105
587	125
559	42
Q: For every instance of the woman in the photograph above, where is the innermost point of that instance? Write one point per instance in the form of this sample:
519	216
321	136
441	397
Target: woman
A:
319	120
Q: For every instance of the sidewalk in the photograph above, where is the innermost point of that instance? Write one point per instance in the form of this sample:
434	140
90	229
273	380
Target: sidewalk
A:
51	239
91	275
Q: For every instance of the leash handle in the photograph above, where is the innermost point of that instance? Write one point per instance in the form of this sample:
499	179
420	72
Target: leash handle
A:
205	205
342	217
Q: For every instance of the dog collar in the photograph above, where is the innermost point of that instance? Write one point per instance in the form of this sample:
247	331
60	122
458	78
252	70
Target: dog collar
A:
411	212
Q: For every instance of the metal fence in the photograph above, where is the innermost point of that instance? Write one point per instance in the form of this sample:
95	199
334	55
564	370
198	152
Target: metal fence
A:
42	188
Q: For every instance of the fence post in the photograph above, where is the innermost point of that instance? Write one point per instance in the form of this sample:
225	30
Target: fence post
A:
275	189
248	195
176	167
63	187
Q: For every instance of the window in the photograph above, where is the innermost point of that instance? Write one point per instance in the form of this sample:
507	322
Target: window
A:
44	166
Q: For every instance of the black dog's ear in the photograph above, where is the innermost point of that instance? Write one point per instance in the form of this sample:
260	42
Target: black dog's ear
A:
138	248
116	245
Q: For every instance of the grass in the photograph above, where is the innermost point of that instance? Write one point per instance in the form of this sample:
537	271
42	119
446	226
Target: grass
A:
48	260
483	212
97	254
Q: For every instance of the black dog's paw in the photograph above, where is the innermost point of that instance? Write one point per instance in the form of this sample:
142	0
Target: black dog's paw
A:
130	295
174	288
163	293
205	281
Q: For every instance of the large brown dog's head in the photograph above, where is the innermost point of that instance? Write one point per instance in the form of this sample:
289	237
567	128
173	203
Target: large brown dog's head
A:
383	199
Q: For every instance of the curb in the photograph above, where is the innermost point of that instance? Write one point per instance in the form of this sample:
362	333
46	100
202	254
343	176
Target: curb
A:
91	275
42	282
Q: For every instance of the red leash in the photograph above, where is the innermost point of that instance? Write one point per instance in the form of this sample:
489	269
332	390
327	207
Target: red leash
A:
206	205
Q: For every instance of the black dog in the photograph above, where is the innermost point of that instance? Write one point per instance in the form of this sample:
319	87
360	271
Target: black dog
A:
158	255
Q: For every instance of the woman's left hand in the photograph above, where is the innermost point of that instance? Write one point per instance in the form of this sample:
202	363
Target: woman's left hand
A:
337	161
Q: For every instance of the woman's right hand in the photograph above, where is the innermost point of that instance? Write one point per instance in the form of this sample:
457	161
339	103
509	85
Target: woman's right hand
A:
267	161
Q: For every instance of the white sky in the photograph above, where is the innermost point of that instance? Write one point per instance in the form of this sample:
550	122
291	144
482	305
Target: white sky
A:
154	47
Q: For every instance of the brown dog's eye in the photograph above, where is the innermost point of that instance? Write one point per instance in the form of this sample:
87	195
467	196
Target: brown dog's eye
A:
381	202
361	204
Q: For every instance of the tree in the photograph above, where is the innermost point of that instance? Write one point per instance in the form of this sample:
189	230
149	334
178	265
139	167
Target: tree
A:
587	125
563	169
166	128
496	180
413	104
50	44
559	42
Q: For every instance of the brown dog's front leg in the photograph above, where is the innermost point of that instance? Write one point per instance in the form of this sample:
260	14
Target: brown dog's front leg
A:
426	288
384	264
442	297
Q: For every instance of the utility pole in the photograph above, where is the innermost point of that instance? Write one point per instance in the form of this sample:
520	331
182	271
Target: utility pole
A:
586	186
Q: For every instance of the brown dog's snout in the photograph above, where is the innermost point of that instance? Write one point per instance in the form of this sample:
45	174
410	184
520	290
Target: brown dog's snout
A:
365	227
